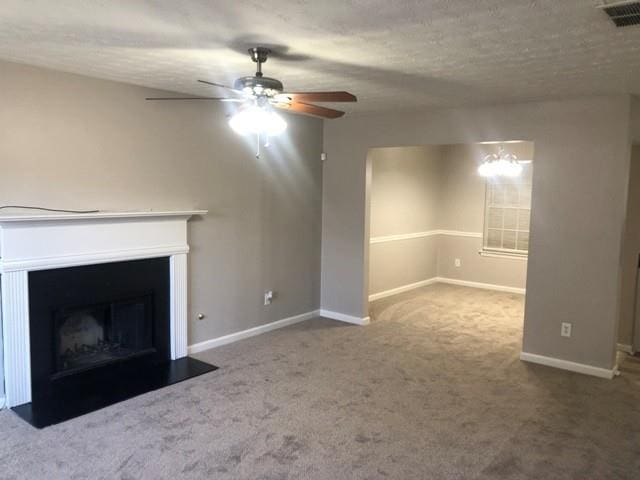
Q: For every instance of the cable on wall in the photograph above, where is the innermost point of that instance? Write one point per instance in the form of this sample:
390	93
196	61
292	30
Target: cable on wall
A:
2	207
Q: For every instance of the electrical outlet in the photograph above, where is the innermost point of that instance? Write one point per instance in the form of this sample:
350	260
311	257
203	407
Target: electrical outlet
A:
457	262
268	297
565	330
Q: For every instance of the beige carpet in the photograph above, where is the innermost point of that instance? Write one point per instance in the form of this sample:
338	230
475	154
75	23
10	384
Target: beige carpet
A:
432	389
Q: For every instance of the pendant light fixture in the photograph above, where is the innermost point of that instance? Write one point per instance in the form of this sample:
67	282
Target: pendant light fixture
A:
501	164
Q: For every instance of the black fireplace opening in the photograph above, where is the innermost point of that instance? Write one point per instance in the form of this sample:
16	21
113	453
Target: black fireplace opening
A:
100	334
90	336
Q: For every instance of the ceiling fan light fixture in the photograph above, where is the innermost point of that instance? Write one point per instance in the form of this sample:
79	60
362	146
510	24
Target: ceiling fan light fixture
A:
257	120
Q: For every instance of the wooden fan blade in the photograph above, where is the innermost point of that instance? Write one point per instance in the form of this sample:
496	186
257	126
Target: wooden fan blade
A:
214	84
219	99
320	96
299	107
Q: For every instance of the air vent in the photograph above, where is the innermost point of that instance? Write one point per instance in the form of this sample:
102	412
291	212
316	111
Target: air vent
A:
623	14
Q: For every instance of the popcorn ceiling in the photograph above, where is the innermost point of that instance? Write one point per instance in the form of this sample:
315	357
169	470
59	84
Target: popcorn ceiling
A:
393	55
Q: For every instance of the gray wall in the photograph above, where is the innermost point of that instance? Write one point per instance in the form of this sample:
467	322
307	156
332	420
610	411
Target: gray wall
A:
418	189
462	209
463	190
630	253
501	271
405	190
404	199
69	141
635	119
581	173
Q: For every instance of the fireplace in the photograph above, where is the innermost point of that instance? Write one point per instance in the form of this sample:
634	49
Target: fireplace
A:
94	309
88	320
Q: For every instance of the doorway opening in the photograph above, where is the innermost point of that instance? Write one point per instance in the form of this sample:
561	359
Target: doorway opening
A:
434	217
629	308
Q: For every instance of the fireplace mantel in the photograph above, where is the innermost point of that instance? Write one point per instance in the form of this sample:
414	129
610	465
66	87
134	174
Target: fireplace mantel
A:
57	240
31	242
103	214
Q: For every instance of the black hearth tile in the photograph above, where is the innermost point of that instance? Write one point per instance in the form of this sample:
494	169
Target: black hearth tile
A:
64	405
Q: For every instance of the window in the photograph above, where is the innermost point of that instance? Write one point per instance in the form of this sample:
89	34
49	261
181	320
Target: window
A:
507	214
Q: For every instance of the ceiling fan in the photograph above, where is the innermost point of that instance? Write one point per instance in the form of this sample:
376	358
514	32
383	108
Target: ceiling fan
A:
259	95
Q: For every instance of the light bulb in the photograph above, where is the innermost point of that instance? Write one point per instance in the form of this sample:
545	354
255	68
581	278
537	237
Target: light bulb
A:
487	169
502	167
257	121
274	124
510	168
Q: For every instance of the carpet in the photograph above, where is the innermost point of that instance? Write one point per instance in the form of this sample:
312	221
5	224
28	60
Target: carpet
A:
431	389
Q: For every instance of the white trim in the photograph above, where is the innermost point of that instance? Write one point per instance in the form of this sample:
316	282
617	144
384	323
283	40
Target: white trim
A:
64	261
485	286
570	366
402	236
344	318
178	302
622	347
39	217
508	255
15	330
458	233
428	233
404	288
451	281
251	332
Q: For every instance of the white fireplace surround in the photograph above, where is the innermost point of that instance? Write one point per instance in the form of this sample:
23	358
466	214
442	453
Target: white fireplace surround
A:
47	241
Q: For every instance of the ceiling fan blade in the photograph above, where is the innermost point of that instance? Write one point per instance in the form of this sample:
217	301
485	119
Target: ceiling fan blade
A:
320	96
306	108
219	99
219	85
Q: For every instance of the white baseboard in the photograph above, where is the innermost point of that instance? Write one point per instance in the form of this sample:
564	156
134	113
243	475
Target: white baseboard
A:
428	233
344	318
404	288
622	347
485	286
567	365
251	332
451	281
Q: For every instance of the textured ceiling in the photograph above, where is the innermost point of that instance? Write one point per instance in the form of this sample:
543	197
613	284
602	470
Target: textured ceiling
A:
394	54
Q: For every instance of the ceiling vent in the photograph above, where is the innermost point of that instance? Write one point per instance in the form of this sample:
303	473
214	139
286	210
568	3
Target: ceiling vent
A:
623	14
